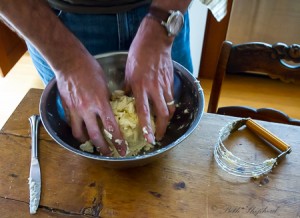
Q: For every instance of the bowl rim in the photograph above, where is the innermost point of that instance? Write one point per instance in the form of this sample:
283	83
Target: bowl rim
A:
52	85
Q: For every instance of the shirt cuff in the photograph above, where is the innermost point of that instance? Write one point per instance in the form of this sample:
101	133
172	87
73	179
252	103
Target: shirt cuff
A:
217	7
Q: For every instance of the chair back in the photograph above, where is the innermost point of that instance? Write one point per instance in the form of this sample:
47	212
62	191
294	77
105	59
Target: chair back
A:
278	61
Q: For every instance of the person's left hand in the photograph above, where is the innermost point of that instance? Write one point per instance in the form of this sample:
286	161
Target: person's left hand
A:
149	74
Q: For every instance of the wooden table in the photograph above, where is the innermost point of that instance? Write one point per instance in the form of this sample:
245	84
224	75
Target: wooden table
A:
185	183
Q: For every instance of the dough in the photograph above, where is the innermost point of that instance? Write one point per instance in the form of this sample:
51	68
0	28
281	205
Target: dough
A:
124	110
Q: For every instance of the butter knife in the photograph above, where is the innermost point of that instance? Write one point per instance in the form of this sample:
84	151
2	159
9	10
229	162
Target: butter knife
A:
34	179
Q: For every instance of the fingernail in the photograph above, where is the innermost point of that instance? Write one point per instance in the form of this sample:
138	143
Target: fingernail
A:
107	134
150	139
145	131
121	147
148	136
104	152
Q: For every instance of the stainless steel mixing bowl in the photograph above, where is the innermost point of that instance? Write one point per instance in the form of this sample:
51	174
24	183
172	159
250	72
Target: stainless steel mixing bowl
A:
190	106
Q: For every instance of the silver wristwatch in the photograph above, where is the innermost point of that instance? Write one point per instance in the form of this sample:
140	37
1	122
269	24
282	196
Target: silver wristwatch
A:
172	20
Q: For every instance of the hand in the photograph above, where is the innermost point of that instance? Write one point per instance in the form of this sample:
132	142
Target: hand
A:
149	75
85	97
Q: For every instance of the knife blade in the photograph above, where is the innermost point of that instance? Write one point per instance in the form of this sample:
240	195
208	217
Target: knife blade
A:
34	179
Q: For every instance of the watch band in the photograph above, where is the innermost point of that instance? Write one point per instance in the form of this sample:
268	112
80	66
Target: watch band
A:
158	13
172	20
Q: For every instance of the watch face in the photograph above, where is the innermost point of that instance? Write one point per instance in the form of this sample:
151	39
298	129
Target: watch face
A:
175	23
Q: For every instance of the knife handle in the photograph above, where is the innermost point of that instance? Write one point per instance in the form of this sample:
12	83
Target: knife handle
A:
34	124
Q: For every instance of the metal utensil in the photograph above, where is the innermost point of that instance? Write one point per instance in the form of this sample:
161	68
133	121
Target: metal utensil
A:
190	104
35	171
244	168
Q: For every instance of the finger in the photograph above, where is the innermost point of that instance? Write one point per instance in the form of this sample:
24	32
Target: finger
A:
169	93
170	103
143	112
95	135
77	127
65	113
127	86
128	73
164	106
112	131
162	116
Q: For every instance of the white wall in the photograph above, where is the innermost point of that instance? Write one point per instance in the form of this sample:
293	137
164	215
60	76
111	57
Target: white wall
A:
198	14
268	21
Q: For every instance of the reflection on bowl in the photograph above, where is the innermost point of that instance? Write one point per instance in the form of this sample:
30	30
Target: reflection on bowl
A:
189	109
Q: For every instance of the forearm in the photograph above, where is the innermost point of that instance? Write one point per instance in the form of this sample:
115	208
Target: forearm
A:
181	5
35	22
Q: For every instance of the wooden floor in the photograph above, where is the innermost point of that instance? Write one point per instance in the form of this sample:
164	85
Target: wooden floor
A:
258	91
15	85
237	90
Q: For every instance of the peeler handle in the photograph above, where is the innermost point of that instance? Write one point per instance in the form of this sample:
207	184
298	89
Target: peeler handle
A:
268	136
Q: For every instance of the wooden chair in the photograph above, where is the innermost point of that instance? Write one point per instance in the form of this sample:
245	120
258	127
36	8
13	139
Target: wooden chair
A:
277	61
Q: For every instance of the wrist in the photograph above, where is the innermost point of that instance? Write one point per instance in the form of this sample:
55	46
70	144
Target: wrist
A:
156	32
171	20
67	61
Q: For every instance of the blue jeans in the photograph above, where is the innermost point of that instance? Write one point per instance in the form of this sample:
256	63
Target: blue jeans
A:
108	33
112	32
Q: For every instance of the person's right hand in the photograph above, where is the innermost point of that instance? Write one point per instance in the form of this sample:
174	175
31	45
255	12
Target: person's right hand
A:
85	97
149	75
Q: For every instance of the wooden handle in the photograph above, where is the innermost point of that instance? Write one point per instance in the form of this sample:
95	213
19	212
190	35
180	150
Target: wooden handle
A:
268	136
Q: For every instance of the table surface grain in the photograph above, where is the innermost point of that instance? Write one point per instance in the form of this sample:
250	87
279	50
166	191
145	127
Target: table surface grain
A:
185	183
